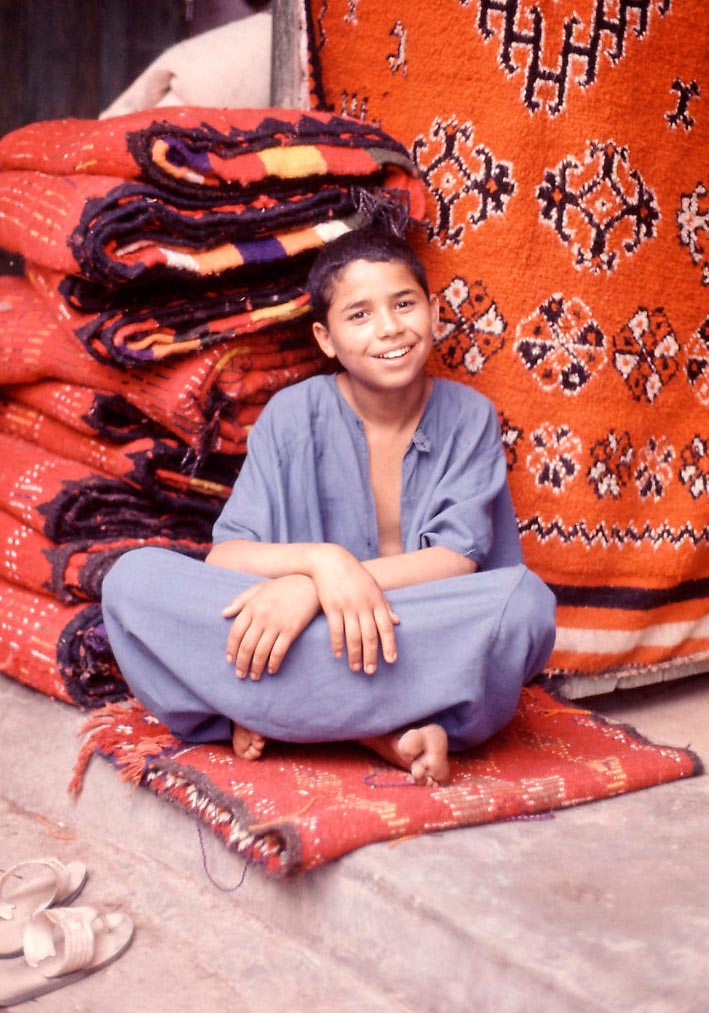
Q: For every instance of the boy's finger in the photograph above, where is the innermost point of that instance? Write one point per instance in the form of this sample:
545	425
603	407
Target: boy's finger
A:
245	653
233	641
353	638
385	628
337	640
261	654
370	642
278	653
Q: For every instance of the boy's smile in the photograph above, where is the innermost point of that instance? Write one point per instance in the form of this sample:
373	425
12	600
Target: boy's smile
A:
379	325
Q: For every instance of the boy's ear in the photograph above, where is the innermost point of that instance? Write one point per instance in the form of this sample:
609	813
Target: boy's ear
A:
322	336
435	310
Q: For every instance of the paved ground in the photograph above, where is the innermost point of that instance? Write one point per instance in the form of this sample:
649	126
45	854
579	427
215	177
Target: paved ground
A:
603	908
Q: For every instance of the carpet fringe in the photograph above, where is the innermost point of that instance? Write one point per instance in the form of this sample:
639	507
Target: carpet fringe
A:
104	731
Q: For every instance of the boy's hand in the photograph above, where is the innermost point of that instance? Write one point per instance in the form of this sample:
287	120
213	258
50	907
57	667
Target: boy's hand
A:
357	612
269	617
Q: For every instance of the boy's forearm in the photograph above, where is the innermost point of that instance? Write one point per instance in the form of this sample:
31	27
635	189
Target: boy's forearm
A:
420	567
264	559
271	560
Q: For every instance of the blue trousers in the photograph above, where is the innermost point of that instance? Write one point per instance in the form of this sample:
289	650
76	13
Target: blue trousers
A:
466	646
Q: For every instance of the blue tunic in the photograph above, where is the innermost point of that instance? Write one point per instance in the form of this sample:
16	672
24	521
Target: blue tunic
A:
466	645
306	477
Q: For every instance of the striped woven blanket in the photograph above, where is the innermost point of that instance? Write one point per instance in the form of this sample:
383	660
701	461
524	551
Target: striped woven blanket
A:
207	399
143	324
147	462
71	572
66	500
205	154
117	200
59	650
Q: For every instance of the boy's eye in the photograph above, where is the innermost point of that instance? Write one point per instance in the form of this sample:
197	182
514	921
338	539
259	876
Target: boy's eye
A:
356	315
405	304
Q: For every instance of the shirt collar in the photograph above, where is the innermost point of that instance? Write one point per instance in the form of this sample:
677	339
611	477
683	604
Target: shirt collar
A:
420	440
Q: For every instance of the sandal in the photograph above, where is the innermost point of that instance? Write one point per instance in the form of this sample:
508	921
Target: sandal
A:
28	888
63	945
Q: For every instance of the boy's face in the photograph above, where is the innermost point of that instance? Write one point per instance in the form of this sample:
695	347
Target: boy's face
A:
380	324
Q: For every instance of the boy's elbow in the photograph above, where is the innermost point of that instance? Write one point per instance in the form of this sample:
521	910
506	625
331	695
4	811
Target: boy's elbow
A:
467	565
456	563
212	556
222	554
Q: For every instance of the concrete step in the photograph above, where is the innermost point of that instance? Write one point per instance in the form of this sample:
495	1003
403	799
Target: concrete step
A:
603	907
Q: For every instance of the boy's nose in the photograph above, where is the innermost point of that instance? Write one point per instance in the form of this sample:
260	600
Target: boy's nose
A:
387	323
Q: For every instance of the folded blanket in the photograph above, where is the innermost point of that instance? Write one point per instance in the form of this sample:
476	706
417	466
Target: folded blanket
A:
72	572
74	405
149	463
112	232
60	650
66	500
78	568
85	409
193	195
208	154
113	417
192	397
138	325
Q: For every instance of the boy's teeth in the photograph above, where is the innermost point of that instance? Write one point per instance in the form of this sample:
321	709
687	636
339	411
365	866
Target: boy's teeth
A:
396	354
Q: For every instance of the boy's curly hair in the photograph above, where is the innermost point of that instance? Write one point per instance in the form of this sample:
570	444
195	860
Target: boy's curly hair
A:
373	244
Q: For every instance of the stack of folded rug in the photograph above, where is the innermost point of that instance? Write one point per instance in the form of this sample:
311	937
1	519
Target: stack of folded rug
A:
162	303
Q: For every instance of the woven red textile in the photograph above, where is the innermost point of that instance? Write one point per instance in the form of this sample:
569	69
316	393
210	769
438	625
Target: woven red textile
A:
141	325
93	412
60	650
192	396
84	409
138	462
67	500
242	199
72	572
299	807
100	229
228	148
563	147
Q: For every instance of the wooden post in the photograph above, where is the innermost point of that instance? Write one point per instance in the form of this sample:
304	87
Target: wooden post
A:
289	77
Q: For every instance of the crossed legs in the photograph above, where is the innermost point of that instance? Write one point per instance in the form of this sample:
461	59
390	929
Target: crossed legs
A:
466	647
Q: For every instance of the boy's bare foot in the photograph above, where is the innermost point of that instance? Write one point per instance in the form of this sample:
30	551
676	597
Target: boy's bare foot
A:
247	745
423	751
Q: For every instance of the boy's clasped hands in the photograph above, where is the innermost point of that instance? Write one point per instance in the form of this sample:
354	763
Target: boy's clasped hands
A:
269	616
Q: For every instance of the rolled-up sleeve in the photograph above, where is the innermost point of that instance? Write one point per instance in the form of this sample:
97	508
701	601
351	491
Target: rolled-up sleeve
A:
469	475
250	511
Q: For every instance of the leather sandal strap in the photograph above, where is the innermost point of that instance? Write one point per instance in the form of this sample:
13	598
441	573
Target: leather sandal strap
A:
60	886
60	940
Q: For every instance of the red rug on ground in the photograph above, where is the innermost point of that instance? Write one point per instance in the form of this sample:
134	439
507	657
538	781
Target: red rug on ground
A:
301	806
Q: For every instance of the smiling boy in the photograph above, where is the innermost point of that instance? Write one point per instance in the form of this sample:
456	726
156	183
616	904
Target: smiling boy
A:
368	556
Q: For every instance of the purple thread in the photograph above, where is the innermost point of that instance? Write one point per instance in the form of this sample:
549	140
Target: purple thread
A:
210	877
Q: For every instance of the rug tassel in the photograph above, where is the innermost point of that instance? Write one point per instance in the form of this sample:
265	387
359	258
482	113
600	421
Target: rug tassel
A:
102	737
132	769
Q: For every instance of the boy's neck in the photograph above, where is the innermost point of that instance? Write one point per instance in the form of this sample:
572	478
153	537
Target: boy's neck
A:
395	411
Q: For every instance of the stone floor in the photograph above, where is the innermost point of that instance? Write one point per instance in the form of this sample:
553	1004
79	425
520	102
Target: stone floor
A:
605	907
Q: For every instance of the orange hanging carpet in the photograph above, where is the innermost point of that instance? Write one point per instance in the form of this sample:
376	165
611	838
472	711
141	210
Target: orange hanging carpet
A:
301	806
563	147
